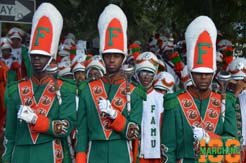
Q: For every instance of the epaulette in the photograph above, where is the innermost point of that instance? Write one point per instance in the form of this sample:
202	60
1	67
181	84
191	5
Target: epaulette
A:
140	90
229	95
169	96
13	86
171	101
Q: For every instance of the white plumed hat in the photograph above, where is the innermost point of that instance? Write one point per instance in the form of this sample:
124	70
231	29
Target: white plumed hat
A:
200	39
47	25
112	26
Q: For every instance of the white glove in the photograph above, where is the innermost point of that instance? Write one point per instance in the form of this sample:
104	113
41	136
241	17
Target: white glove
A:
106	108
200	133
27	114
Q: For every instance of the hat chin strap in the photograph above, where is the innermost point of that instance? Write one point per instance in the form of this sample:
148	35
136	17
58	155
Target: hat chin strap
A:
192	79
47	64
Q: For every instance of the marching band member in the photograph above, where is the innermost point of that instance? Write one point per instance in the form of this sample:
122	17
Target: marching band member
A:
41	109
237	68
195	114
105	125
145	72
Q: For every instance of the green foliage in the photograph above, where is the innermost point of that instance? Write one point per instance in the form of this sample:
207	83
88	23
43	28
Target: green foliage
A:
145	17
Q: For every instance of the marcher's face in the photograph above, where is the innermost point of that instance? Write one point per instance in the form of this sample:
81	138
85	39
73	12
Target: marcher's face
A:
202	80
79	76
39	61
16	42
113	62
94	74
6	53
146	78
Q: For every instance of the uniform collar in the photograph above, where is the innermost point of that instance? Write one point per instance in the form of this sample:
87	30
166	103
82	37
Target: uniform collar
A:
117	78
196	94
41	81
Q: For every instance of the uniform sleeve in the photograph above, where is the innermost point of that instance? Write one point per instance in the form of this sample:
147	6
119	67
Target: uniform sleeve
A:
82	135
168	135
11	76
230	123
27	61
10	132
63	126
171	128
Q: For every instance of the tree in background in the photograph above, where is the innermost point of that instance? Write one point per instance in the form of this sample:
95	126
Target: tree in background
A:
146	17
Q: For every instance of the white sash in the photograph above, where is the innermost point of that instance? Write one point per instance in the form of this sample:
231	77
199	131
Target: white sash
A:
150	132
242	99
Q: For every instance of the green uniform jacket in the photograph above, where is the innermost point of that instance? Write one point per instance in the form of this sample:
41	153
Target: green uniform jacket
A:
177	135
17	132
89	125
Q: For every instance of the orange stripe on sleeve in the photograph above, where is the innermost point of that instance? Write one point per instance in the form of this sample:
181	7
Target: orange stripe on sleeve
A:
119	123
81	157
42	124
213	135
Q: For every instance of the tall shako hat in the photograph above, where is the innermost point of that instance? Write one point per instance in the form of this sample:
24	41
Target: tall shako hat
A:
112	26
47	25
200	39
